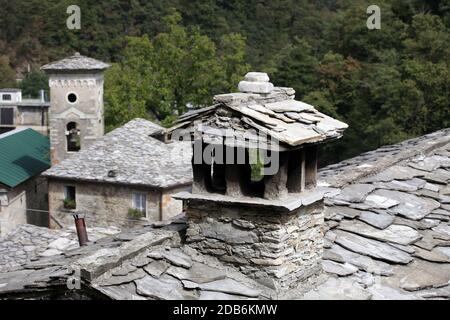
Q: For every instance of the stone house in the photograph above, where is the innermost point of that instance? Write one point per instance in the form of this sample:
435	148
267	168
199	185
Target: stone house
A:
16	112
122	178
24	154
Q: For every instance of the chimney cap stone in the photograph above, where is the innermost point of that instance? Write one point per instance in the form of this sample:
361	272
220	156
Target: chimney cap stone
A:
256	82
257	77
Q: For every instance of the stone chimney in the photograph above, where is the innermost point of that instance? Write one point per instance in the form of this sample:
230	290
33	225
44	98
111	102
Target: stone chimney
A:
254	203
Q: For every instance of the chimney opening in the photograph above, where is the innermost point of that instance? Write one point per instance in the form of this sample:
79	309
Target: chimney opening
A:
296	171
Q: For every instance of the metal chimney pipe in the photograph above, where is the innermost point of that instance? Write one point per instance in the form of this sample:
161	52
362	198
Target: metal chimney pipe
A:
80	225
42	95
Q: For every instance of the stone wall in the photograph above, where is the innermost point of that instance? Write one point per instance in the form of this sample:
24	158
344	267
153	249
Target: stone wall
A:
37	201
33	117
12	210
277	249
170	206
31	195
107	204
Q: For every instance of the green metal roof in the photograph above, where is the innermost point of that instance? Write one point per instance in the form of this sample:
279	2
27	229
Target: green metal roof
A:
24	153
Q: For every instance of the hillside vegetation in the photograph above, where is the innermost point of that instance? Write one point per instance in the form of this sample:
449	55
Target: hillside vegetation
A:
388	84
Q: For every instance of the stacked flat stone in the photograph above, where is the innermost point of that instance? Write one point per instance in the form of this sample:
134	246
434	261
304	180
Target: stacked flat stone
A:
256	82
278	250
123	150
388	221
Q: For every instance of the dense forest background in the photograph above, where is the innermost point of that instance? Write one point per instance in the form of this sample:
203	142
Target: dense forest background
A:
388	85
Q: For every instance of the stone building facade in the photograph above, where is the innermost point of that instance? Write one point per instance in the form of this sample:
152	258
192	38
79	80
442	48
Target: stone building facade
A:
16	112
105	205
121	174
76	95
26	203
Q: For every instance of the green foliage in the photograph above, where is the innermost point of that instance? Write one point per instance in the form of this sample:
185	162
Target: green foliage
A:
388	84
69	204
296	67
6	74
158	78
256	164
33	83
135	214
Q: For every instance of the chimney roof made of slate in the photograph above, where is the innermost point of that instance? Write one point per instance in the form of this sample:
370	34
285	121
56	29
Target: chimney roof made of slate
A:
270	110
76	62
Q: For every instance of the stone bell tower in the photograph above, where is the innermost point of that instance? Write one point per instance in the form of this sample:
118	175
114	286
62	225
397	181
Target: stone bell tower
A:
254	203
76	104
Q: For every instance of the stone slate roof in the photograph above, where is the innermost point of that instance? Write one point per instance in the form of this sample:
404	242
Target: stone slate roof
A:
129	155
387	216
143	263
275	114
387	237
28	243
76	62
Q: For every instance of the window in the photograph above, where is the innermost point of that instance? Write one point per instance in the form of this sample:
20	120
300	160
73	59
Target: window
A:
73	137
140	202
7	116
72	98
6	97
70	197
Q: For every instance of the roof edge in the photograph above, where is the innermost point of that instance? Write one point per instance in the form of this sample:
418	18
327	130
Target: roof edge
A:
154	187
409	149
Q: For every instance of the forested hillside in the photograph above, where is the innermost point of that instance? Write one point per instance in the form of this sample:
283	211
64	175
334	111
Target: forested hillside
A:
387	84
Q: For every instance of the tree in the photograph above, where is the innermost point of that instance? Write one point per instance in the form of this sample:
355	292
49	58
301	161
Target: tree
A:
159	78
128	84
296	68
232	56
388	84
7	74
33	83
428	39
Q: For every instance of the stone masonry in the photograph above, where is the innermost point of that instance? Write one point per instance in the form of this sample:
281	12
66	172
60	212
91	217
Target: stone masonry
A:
278	249
82	78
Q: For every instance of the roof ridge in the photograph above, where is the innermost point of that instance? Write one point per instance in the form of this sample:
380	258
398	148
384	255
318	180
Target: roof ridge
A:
372	162
9	133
